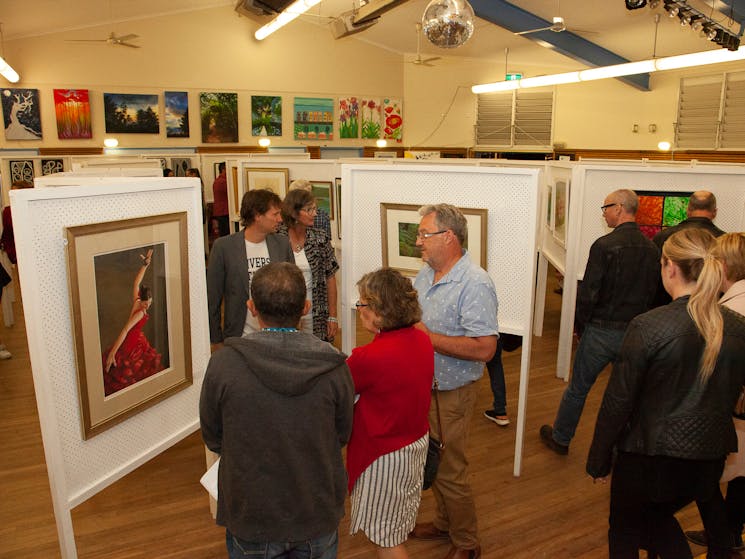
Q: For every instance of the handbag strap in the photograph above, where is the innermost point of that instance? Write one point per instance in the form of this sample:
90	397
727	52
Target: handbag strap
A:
437	409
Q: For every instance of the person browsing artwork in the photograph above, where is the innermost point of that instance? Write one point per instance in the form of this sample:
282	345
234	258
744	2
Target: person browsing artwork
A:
393	378
131	358
314	255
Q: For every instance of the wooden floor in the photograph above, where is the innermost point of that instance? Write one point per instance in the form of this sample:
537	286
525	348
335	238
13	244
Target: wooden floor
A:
160	510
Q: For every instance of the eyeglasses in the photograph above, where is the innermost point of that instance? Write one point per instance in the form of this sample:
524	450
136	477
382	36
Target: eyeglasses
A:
310	209
359	305
424	235
603	208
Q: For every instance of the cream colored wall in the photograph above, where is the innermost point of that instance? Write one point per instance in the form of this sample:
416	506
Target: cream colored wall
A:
208	50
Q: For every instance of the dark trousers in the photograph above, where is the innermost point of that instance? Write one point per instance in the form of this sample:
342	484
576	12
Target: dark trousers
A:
223	224
496	380
646	491
716	511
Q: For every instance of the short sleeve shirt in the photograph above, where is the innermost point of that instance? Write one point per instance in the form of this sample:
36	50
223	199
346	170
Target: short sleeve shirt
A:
462	303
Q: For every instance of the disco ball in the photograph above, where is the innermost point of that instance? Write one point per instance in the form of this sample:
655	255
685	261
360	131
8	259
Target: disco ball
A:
448	23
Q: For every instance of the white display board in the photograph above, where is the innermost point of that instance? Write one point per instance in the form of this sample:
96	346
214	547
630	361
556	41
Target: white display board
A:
511	198
80	468
592	183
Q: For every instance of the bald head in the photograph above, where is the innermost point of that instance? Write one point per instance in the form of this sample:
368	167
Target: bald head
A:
702	203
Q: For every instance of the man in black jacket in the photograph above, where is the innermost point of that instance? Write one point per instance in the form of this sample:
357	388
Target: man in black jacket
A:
619	283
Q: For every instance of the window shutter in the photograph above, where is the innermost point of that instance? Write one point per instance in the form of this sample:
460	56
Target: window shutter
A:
515	118
698	112
733	114
533	118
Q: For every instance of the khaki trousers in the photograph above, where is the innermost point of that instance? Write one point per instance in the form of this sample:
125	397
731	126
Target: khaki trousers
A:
456	511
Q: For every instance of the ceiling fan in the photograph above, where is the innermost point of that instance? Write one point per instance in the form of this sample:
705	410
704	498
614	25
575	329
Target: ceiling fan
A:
112	39
419	61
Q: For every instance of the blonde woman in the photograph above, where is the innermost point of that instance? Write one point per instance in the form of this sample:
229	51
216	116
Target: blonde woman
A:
668	406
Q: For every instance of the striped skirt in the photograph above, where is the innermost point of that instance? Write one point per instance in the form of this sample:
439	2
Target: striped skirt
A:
385	498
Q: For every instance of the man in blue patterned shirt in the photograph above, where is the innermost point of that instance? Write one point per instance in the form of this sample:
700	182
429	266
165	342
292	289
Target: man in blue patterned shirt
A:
459	313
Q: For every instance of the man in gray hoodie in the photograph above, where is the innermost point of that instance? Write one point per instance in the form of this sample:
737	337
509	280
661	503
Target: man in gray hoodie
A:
277	406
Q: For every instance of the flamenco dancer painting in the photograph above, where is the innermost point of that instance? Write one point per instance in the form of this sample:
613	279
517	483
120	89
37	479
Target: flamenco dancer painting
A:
131	357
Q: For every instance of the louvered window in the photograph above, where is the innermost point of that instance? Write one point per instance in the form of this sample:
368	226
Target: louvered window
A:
698	112
515	119
732	133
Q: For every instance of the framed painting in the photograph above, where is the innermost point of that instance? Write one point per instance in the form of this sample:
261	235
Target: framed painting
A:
266	115
321	191
658	210
314	118
21	114
337	195
21	170
126	113
73	111
394	120
129	292
349	117
399	228
370	118
177	114
549	206
560	212
51	166
276	180
219	117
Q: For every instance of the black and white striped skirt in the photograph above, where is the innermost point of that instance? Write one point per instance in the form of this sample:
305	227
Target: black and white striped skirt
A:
386	497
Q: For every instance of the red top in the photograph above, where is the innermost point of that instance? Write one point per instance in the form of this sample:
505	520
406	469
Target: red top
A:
393	377
220	193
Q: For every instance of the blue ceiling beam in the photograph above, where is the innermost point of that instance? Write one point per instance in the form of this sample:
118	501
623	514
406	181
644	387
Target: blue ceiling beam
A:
512	18
727	8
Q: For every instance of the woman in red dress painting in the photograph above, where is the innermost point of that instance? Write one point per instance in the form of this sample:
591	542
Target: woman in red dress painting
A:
131	358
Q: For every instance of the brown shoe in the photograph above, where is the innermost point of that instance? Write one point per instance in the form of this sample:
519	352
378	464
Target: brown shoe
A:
428	531
458	553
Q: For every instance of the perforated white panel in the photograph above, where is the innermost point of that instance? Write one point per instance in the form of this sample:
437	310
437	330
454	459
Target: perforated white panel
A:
91	465
510	195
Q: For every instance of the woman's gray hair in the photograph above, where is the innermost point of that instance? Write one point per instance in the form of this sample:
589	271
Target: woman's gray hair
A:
448	217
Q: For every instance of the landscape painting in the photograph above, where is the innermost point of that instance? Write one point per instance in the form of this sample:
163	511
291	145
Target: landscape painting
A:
266	115
177	114
73	111
126	113
219	117
21	114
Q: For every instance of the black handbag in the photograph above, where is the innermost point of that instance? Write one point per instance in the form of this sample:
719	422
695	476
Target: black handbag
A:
434	450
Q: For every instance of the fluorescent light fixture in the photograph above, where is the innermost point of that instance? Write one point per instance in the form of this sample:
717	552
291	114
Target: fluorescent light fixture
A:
618	70
291	12
7	72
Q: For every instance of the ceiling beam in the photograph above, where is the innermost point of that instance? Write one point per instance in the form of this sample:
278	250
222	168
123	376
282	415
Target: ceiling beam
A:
512	18
727	8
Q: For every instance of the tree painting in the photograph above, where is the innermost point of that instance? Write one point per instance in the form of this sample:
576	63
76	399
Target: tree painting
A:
370	118
407	233
177	114
219	117
73	111
266	115
131	113
21	114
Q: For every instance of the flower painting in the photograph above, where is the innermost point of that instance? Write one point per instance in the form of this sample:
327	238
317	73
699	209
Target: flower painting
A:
349	124
314	119
73	111
21	114
266	115
131	113
370	118
393	124
177	114
219	116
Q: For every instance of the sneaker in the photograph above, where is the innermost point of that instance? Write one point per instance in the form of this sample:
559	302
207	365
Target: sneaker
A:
699	537
501	420
547	436
4	353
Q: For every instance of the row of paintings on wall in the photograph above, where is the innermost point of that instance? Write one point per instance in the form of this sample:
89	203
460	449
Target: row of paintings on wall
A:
125	113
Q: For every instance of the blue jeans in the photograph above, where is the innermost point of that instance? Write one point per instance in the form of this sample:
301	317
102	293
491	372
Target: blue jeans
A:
322	547
597	347
496	379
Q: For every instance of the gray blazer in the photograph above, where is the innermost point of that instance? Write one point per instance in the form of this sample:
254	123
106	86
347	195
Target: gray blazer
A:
227	280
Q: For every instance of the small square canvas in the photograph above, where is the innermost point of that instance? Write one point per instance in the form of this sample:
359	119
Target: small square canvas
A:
177	114
266	115
21	114
73	111
21	170
51	166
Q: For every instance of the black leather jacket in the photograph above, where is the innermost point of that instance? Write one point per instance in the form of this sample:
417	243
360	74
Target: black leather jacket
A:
620	279
655	403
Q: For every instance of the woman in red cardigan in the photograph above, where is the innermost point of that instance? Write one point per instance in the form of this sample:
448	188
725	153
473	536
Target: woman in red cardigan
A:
393	378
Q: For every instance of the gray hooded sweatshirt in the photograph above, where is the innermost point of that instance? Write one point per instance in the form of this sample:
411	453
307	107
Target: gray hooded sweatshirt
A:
277	407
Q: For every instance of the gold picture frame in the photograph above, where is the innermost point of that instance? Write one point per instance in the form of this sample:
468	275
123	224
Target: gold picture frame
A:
132	346
276	180
399	227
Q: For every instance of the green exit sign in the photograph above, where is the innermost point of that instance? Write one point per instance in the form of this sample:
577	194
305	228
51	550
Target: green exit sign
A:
512	77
